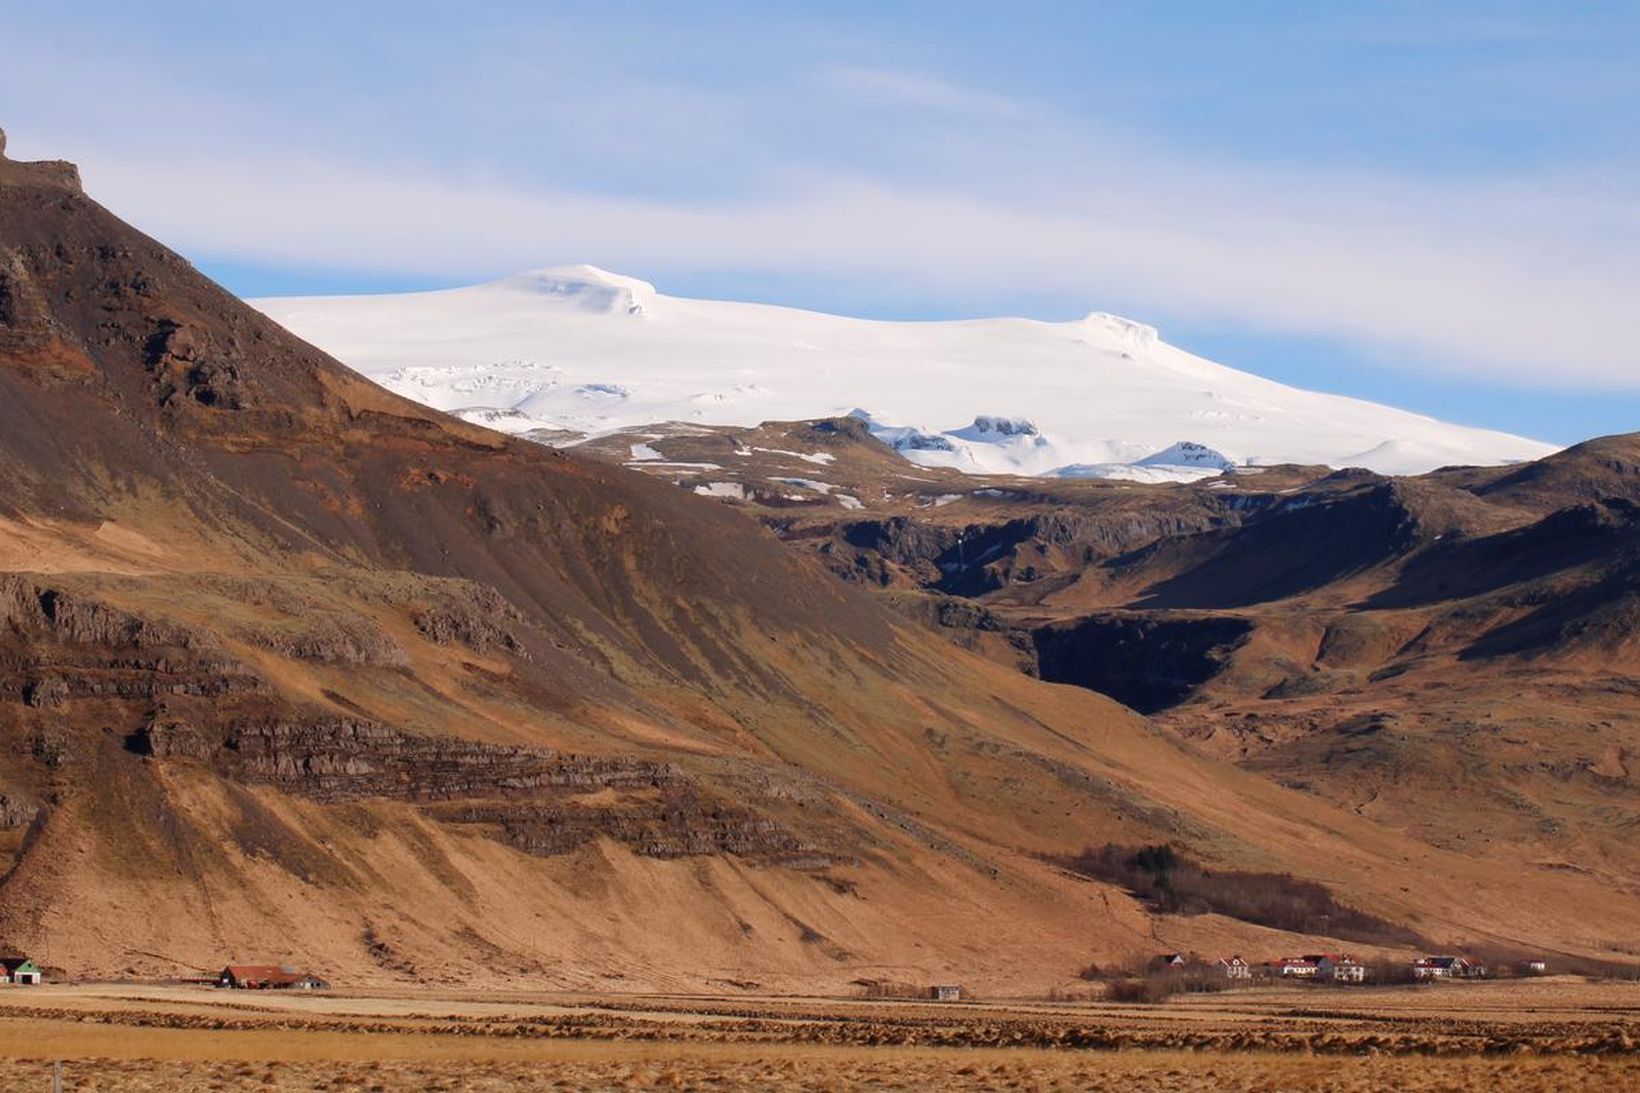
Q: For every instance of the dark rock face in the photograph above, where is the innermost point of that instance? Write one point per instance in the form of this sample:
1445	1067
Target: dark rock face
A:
676	821
1144	662
56	646
337	759
981	558
16	812
186	365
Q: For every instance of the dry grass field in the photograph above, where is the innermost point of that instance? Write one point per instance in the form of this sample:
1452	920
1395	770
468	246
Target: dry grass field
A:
1556	1034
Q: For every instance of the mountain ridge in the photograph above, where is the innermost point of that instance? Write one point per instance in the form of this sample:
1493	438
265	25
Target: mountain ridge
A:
583	352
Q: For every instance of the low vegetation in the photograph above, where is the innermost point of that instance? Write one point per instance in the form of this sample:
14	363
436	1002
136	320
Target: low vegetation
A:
1158	986
1170	883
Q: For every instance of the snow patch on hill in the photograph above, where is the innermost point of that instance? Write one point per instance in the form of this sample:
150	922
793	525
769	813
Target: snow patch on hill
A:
575	351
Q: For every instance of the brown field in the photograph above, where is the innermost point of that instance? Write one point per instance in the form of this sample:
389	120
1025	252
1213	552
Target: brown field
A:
1553	1034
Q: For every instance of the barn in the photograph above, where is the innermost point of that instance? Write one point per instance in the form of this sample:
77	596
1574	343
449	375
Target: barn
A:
265	977
20	970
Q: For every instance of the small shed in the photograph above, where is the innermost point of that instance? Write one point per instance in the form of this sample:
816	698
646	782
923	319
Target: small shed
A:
21	970
945	993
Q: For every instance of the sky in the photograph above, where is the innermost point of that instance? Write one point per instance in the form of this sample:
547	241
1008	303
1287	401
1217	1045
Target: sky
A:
1433	205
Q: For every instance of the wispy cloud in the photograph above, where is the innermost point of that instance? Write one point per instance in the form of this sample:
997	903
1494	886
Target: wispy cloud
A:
886	175
921	91
1506	280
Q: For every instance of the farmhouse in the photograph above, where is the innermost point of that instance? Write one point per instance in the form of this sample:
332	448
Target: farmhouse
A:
1297	967
1339	968
1442	967
1234	967
1168	960
945	993
20	970
1534	967
262	977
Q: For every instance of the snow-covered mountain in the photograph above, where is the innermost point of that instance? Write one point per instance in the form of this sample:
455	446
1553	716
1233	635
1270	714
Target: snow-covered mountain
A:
577	351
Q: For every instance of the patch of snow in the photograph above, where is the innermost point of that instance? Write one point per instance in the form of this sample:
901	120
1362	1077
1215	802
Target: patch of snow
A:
1132	472
643	453
808	484
820	458
732	491
674	465
850	502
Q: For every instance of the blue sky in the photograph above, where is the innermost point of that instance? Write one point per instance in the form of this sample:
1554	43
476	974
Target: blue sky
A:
1432	205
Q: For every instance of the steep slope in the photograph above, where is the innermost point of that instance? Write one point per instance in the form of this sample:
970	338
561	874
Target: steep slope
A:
1452	655
293	668
564	353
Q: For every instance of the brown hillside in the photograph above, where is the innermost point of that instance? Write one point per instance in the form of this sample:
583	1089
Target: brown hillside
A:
291	669
1453	655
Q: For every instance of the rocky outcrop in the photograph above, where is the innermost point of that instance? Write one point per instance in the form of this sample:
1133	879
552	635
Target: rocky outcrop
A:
341	759
536	800
51	174
974	559
42	610
186	365
57	646
469	614
675	822
16	811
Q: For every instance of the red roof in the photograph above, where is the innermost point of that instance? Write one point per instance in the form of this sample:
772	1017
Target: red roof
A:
261	973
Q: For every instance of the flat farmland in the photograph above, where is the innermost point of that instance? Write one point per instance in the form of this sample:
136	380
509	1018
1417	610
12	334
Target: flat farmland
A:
1553	1034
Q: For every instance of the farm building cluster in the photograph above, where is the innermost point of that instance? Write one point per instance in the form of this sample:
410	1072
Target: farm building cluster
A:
1332	968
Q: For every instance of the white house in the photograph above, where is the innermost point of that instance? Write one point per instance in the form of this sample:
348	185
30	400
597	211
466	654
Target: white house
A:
1442	967
1340	968
1234	967
1297	967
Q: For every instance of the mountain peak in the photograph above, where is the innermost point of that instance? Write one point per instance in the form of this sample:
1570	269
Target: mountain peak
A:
589	287
55	173
1138	334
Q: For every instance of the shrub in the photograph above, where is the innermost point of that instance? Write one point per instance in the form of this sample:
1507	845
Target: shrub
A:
1170	883
1147	991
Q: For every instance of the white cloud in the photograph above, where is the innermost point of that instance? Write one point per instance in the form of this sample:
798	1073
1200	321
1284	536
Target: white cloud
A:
1481	277
884	176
